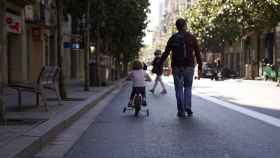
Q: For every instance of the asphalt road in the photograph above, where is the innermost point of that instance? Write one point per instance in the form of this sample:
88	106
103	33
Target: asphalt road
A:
213	132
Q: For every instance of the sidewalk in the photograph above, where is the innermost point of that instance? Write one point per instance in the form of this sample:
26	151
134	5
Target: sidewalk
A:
27	131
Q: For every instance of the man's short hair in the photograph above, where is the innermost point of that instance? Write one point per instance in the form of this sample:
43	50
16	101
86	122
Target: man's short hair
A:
180	23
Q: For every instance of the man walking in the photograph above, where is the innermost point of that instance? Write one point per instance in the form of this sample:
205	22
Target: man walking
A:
184	49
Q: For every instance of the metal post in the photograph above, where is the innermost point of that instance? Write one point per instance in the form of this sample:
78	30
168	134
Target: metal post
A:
87	45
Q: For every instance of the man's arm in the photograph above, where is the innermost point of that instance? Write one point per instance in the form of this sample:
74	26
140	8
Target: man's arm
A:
165	53
197	54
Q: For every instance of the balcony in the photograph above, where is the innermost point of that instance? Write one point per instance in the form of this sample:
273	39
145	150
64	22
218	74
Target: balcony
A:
23	2
38	14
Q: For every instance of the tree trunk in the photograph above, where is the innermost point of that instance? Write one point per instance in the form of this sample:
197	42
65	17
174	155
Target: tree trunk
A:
97	56
2	13
258	53
86	56
125	64
59	31
2	47
118	67
223	54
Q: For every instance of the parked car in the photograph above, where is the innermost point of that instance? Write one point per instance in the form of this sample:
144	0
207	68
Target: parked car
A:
228	73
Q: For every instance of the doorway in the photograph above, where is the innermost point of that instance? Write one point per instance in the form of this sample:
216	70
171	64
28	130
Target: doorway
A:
14	58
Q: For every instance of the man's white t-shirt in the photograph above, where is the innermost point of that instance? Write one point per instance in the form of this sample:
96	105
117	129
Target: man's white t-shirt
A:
138	77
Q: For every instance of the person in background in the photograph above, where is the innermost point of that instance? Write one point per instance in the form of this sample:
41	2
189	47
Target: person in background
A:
158	70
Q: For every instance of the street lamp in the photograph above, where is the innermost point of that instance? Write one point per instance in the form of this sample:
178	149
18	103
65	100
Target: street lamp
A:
92	49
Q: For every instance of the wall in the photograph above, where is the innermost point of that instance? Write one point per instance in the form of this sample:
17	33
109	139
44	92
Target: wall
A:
15	57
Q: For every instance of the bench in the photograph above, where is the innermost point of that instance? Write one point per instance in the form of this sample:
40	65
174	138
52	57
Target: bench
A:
47	80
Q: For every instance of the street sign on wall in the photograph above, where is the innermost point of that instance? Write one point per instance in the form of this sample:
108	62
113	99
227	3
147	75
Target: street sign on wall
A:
71	45
13	23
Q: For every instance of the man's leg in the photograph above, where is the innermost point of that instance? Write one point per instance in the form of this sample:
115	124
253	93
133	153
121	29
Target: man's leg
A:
178	83
188	81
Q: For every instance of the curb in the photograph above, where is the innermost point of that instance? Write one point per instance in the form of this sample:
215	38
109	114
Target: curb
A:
31	142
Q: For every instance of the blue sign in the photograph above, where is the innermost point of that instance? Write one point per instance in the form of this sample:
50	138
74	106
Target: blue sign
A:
72	45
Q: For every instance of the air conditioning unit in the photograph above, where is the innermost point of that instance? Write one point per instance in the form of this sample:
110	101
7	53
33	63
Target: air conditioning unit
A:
29	13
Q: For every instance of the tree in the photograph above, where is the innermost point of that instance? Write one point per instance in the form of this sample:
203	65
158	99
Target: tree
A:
59	31
220	21
117	28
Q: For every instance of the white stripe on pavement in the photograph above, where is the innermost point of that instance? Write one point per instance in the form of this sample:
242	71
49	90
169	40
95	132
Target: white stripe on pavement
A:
251	113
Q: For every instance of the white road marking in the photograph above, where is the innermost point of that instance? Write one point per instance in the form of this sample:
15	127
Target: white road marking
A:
251	113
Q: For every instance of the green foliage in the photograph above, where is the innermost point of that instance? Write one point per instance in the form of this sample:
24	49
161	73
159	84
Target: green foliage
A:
121	23
219	21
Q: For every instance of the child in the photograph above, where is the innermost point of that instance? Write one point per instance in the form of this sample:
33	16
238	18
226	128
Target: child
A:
158	71
138	77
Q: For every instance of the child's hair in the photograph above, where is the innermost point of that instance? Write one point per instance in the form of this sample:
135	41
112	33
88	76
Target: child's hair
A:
137	65
157	52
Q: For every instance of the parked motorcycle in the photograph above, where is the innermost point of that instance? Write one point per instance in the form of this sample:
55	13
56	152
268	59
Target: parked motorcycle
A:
270	72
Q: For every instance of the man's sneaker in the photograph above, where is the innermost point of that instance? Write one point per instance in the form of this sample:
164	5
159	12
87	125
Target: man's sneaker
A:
163	92
189	112
180	114
152	90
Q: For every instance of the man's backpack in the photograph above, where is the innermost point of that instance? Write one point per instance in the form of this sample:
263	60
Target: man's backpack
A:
179	48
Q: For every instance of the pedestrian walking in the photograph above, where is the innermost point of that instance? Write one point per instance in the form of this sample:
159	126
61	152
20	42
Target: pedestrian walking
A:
185	49
158	70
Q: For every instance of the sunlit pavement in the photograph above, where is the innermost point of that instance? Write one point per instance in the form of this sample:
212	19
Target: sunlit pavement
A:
257	95
213	131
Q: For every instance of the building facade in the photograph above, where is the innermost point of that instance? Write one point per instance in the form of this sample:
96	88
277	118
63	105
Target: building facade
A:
28	40
169	11
246	56
13	43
